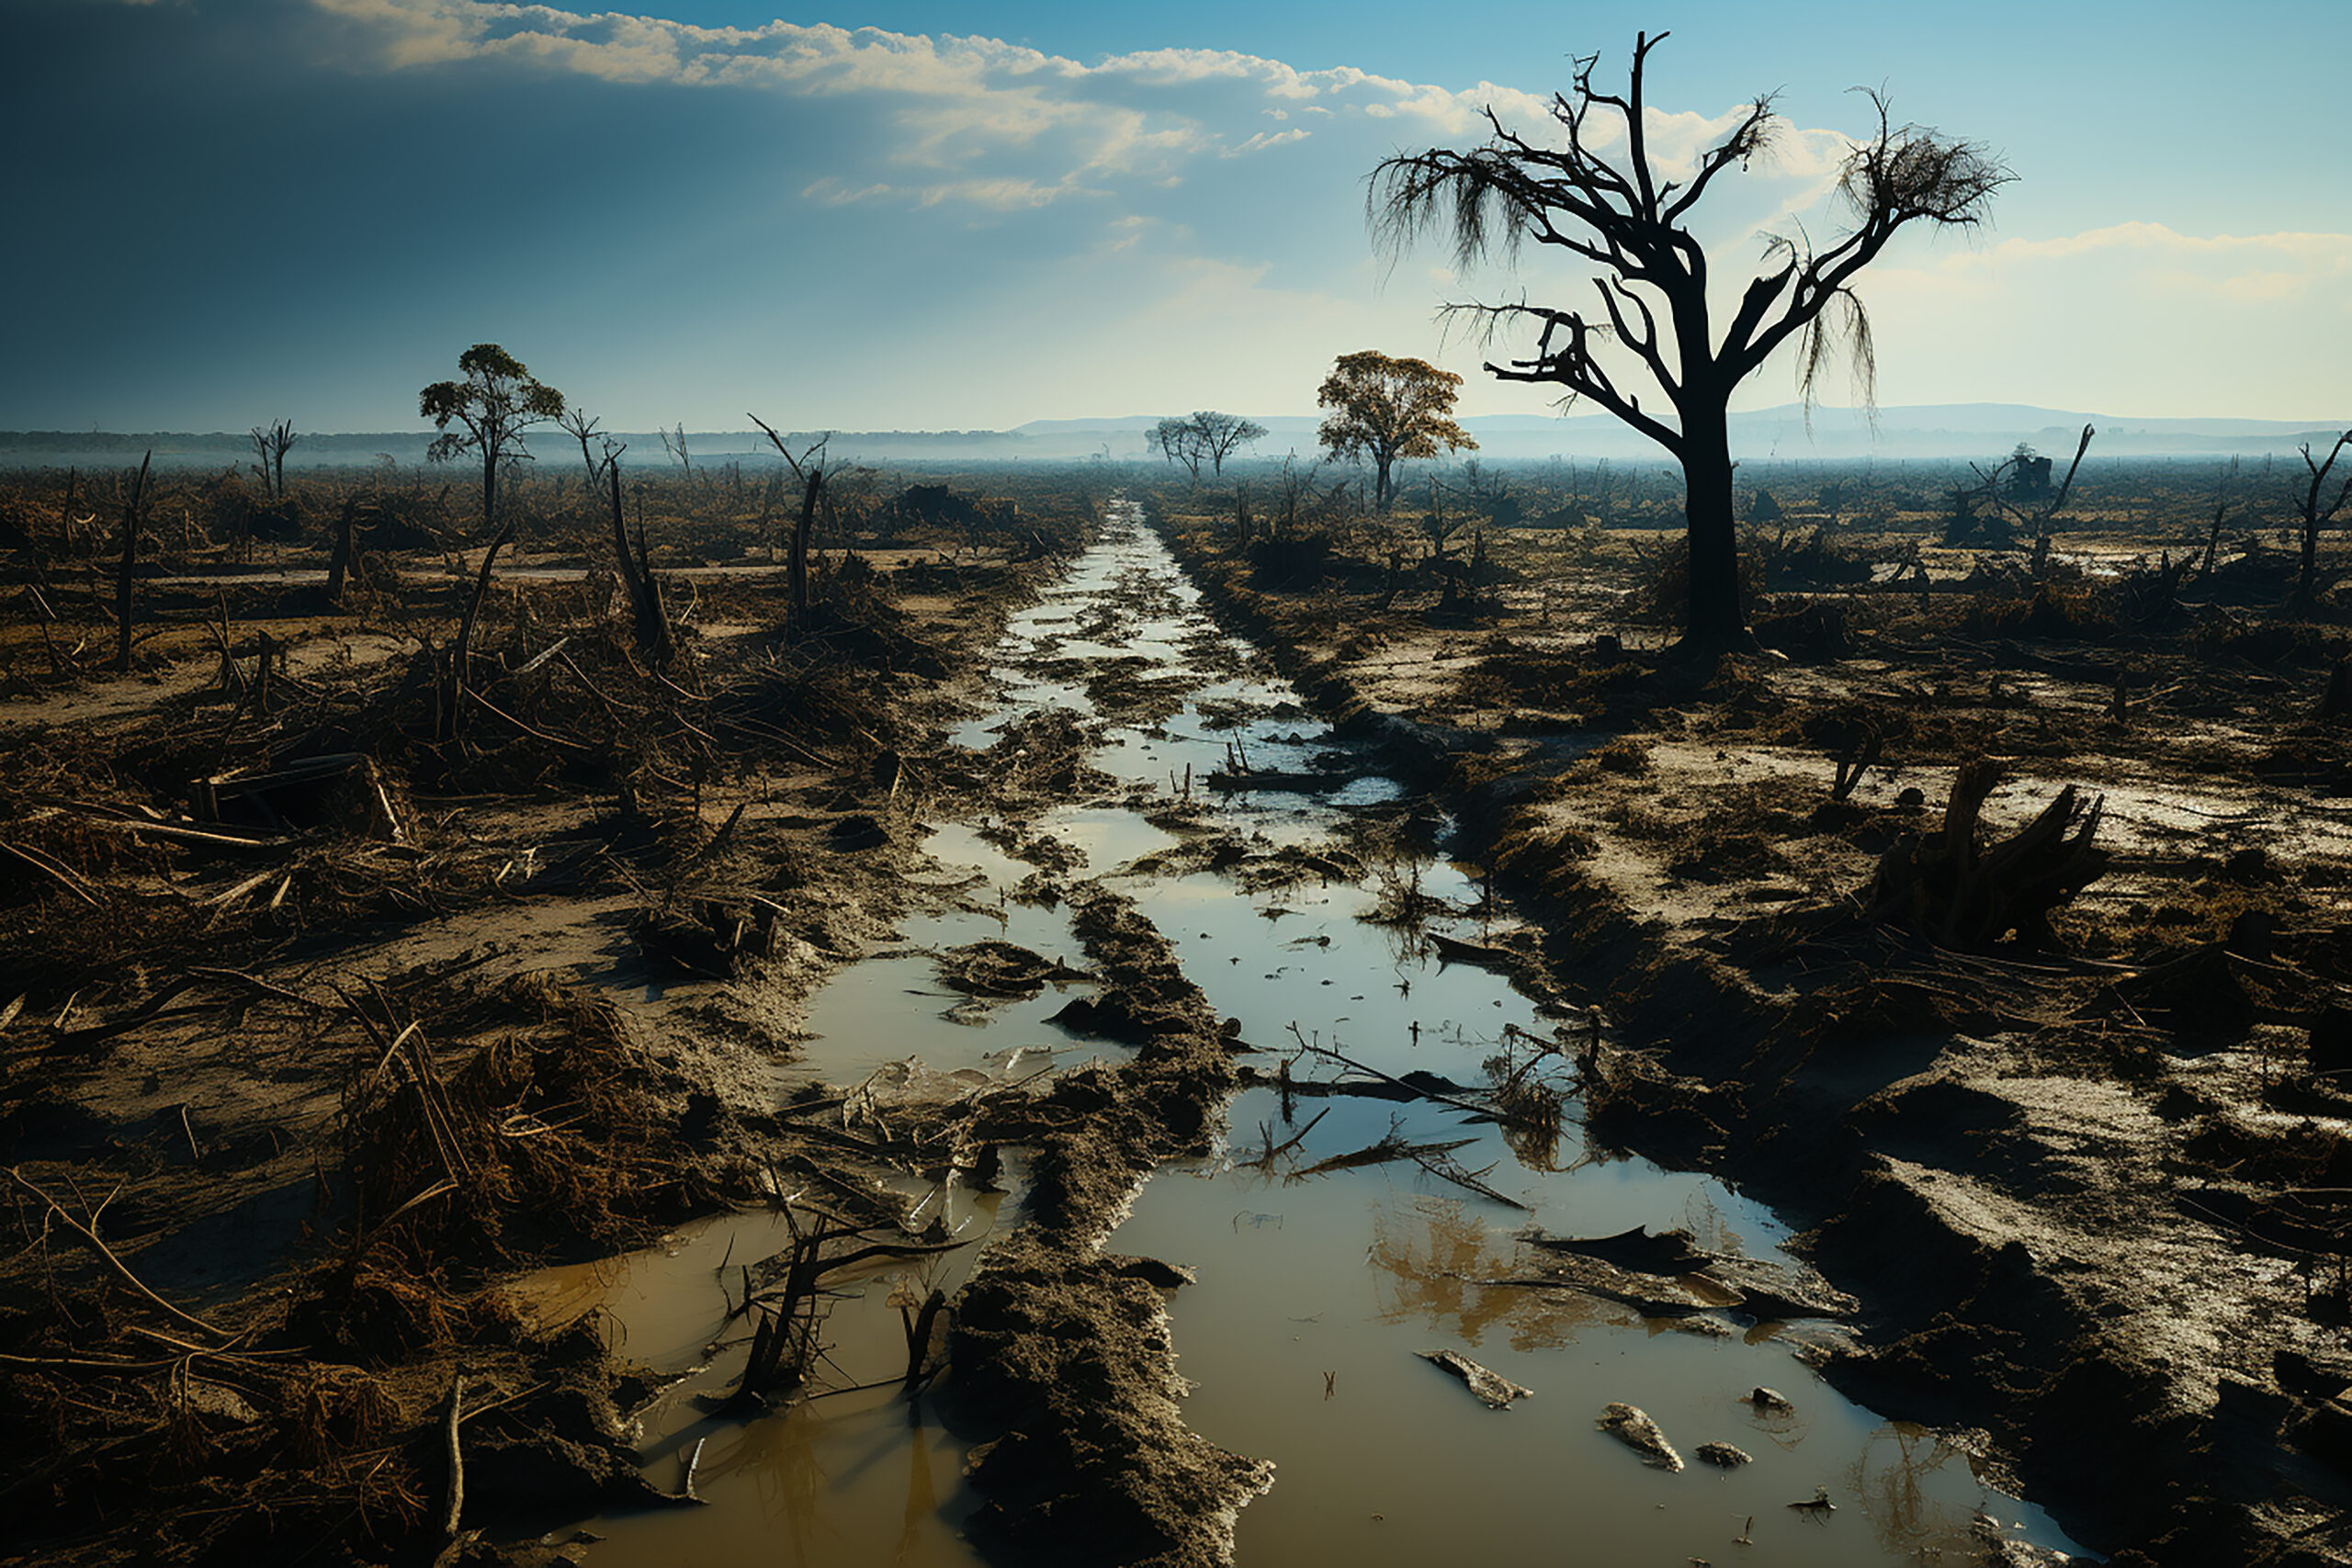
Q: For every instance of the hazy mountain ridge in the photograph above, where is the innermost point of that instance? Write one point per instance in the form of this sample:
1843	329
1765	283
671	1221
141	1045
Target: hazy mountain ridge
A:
1936	431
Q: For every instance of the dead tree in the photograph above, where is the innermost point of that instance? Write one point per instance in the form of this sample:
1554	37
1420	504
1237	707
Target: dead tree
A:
2001	490
133	522
675	442
809	467
2314	517
270	443
655	642
1585	188
461	653
1959	896
339	566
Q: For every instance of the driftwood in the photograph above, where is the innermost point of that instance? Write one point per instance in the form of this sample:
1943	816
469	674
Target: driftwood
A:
1478	955
454	1505
651	613
1967	897
461	652
89	1235
1390	1146
51	867
1496	1389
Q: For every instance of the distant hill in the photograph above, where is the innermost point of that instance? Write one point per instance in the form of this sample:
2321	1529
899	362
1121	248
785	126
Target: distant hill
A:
1936	431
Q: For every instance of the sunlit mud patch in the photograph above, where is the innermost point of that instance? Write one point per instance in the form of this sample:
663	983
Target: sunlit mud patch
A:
858	1474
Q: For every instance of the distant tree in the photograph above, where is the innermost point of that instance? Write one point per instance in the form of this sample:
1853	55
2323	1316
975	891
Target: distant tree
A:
270	443
675	442
1626	222
2315	517
1389	410
495	403
1179	440
1222	435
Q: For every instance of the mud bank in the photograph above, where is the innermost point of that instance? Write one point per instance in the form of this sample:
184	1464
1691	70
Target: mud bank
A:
1065	1348
2059	1181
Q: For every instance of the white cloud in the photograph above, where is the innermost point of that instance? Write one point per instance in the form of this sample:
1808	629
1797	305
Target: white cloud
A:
1264	140
957	102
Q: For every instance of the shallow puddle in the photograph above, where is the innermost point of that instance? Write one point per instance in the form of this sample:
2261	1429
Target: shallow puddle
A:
860	1477
1327	1260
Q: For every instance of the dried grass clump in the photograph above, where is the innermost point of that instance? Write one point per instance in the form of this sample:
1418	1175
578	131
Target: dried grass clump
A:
1627	755
546	1143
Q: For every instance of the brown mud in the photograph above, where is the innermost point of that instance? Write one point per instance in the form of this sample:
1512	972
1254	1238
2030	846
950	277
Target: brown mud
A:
336	993
2087	1190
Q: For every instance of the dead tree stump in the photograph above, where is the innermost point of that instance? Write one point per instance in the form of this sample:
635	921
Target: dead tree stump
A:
1969	898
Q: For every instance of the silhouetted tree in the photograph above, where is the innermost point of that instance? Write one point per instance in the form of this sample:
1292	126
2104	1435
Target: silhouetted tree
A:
1389	410
1222	435
2314	517
1179	440
1628	222
497	400
270	443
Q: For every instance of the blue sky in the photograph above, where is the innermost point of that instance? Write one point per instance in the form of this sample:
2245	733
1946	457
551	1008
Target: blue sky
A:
924	216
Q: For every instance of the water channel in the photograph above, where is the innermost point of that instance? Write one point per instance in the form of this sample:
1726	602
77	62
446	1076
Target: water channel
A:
1315	1291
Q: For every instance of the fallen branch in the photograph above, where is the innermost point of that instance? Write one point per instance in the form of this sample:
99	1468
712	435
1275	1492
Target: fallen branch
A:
1418	1091
55	870
90	1237
1440	1164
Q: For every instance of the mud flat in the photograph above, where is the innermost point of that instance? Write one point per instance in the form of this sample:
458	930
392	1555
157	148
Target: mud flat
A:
2076	1183
341	993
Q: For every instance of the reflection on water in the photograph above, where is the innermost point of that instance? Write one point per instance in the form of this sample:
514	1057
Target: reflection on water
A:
846	1478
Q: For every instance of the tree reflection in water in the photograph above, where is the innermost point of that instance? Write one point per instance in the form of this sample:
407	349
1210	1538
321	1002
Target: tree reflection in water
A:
1430	1253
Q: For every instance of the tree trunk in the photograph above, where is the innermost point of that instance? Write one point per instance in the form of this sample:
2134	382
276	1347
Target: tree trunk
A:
341	564
797	563
652	616
1714	619
1380	483
461	655
489	486
123	573
2310	572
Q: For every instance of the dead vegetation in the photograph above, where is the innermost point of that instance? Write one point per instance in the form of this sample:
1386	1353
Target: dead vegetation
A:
314	933
1995	930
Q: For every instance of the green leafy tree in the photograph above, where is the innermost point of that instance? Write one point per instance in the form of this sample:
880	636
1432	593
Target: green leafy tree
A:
1586	189
1389	410
495	403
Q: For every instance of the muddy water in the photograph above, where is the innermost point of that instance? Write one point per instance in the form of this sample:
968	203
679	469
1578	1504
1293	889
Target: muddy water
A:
1316	1289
